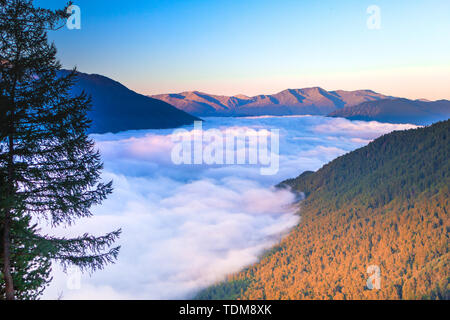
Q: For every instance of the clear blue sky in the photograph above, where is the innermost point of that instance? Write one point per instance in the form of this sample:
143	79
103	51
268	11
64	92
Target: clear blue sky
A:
252	47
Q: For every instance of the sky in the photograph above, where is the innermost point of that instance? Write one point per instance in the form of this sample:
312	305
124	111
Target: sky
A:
185	228
261	47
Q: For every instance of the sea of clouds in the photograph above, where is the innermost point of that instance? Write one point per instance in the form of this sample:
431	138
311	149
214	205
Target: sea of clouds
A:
186	227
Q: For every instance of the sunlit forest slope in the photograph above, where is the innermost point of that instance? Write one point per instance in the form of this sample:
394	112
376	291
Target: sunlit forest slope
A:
385	204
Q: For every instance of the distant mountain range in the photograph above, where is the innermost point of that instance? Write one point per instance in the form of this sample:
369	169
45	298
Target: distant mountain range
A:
117	108
314	101
356	105
397	111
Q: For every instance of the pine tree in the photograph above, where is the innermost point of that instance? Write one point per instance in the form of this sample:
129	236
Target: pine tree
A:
49	167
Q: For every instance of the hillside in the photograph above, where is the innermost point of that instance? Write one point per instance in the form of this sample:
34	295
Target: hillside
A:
315	101
397	111
117	108
386	204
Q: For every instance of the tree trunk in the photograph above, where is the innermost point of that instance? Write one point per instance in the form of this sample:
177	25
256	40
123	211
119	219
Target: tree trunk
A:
9	285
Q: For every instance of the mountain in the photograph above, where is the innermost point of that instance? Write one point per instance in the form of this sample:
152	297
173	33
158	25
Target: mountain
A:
315	101
386	204
117	108
420	112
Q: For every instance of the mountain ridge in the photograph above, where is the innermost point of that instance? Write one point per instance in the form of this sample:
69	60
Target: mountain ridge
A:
399	110
313	100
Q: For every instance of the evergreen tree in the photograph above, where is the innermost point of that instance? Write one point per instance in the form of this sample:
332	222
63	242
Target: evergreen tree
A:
49	167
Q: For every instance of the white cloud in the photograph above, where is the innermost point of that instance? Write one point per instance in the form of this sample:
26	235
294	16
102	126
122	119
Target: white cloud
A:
359	129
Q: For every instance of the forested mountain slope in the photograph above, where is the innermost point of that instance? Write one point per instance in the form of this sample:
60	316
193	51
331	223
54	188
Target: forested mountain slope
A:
385	204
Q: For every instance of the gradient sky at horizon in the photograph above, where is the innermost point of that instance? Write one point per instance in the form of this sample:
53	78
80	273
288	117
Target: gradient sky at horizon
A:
254	47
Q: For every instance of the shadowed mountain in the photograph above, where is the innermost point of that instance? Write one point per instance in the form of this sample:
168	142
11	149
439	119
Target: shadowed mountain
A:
117	108
315	101
397	111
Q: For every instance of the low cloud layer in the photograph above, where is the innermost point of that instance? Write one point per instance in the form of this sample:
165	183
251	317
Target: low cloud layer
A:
186	227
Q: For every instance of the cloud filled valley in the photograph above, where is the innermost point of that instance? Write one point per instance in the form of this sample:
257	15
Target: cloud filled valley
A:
186	227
